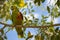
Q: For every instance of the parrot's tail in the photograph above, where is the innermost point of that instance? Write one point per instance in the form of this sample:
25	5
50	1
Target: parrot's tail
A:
20	32
20	35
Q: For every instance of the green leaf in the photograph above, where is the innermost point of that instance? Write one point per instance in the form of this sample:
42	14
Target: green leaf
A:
36	1
53	37
32	10
57	37
24	13
30	4
24	29
43	1
1	38
2	15
52	14
30	20
38	37
56	30
5	37
2	31
59	14
36	19
32	15
43	16
24	22
48	9
29	35
39	3
26	18
2	2
58	3
8	16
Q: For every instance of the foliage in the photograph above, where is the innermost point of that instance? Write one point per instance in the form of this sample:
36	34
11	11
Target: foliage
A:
58	3
48	33
38	1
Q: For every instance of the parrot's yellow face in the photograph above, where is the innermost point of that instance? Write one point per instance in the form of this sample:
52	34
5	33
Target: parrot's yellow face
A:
13	8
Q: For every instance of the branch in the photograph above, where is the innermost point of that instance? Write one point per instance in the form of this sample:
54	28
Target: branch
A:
29	26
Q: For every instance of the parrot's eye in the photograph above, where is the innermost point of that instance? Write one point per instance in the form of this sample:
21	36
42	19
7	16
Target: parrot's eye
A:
12	8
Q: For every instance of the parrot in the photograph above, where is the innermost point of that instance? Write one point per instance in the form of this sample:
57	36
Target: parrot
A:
17	19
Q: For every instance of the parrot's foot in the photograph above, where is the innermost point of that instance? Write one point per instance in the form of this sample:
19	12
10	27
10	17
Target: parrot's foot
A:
13	27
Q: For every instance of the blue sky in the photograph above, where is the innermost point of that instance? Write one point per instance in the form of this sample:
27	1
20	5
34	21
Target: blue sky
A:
12	34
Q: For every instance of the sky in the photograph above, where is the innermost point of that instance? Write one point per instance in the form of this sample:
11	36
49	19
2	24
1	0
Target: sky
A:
12	34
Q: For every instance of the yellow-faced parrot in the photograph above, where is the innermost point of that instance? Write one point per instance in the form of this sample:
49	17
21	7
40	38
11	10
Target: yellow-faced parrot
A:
17	19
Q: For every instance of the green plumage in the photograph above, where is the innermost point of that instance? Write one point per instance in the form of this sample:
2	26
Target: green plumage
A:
17	19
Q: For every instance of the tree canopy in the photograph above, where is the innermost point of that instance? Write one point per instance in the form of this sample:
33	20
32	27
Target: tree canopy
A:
46	30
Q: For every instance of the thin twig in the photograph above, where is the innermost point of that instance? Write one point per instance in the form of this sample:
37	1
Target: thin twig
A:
5	24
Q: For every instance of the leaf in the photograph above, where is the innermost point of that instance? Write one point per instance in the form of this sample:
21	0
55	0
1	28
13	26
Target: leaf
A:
53	37
30	4
37	37
56	30
5	37
39	3
8	16
58	3
1	38
43	1
35	1
24	13
57	37
48	9
52	14
30	20
0	8
26	18
36	19
2	2
51	29
2	15
29	34
32	10
24	29
1	32
59	14
16	2
32	15
43	17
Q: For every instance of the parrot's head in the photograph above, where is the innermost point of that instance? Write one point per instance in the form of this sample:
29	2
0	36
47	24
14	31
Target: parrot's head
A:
14	8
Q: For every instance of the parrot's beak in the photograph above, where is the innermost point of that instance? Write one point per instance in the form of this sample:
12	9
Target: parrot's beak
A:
13	8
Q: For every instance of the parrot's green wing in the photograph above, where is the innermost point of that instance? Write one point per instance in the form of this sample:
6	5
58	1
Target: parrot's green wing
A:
19	32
